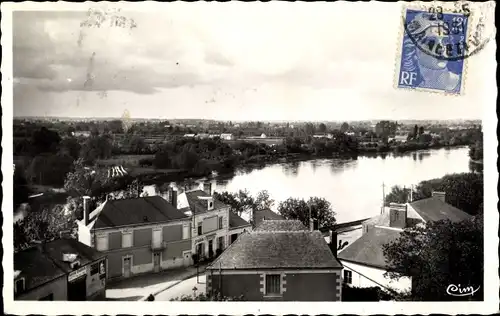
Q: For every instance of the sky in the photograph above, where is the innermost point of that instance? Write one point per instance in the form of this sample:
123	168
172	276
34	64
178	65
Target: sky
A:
229	61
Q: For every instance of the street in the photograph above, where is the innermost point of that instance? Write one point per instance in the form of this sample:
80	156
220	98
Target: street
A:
183	288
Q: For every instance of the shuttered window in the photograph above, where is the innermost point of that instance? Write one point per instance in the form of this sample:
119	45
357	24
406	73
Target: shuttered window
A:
273	284
102	243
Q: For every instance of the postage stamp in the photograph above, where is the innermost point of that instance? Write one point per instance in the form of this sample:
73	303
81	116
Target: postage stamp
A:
435	45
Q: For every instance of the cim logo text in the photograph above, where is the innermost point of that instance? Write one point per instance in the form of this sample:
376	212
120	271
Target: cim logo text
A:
456	290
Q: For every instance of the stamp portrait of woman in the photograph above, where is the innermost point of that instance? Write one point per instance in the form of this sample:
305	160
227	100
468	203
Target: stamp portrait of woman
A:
433	73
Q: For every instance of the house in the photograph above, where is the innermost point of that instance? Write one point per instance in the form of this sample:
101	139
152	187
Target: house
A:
60	270
139	235
279	261
363	260
263	135
214	225
347	232
266	214
227	136
189	135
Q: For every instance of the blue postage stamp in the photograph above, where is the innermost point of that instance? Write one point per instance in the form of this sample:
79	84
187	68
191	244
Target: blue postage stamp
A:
433	51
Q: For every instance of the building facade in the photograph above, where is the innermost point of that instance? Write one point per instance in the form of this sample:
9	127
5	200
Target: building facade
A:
213	225
60	270
138	235
279	261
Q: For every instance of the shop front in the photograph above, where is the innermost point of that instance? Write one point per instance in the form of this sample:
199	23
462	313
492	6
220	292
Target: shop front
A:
88	282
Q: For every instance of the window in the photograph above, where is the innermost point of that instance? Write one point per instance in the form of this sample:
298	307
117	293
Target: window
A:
19	286
102	243
220	222
273	284
199	229
127	240
347	276
185	232
220	243
94	269
49	297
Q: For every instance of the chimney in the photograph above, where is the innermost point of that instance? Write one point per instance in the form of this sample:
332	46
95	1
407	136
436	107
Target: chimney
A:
86	210
207	187
397	215
333	242
173	197
439	195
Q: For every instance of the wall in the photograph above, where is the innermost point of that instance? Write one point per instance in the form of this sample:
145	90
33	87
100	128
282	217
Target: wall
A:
236	285
58	287
84	235
364	276
96	285
196	239
296	285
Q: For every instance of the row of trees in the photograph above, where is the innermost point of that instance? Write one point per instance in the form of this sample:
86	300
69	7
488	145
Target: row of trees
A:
291	208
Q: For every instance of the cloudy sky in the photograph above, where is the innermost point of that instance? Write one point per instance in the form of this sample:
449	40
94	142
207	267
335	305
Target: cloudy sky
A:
237	61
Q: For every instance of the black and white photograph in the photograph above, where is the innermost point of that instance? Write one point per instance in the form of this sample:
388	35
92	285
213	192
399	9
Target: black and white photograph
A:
278	157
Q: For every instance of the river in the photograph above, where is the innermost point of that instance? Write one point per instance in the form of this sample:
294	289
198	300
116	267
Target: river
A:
353	187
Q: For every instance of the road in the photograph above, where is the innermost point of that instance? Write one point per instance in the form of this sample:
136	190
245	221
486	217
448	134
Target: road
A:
183	288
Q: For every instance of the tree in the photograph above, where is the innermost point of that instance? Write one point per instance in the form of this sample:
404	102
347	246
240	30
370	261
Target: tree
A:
415	131
420	130
240	202
45	141
49	169
263	201
96	147
298	209
70	146
322	128
344	127
397	195
438	255
465	191
83	180
42	226
21	189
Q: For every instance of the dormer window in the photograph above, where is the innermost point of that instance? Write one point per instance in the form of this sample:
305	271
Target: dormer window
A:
19	285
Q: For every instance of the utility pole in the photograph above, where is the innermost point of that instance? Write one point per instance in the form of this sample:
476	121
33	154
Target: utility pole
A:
383	198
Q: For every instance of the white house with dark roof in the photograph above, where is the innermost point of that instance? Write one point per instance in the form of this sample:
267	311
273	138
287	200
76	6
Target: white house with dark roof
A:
278	261
363	260
214	225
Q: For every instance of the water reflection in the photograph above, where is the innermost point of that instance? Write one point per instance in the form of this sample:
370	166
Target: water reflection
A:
353	187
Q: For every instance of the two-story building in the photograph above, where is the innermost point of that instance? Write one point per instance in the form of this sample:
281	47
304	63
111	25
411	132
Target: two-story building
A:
60	270
138	235
281	260
214	225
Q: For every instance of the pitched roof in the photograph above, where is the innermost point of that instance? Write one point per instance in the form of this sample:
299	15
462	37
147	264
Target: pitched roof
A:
277	250
124	212
198	204
281	225
235	221
265	214
43	263
434	209
368	248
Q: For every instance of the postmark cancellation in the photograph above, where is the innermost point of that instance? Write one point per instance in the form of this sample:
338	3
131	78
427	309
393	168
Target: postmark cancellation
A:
435	42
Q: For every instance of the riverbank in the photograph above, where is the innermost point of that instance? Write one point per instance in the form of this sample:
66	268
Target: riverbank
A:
261	161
